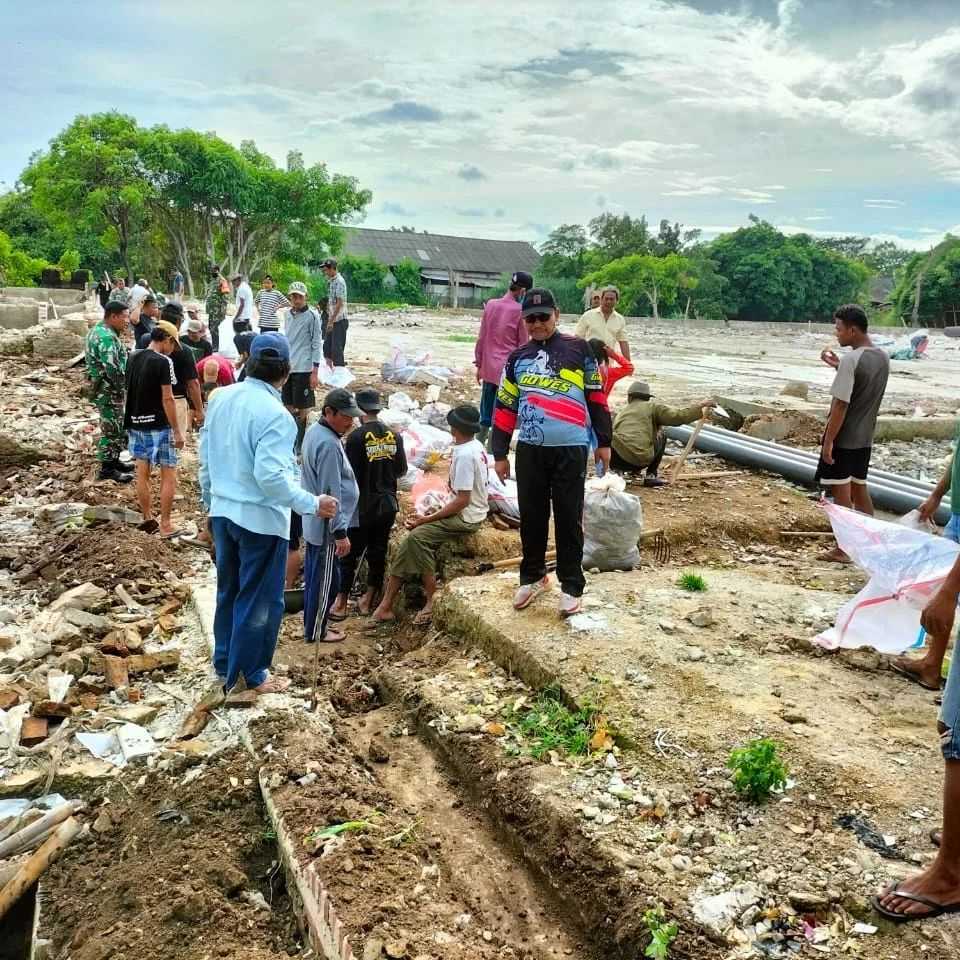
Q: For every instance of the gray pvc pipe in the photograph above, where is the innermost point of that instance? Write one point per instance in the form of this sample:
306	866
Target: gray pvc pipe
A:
793	451
891	495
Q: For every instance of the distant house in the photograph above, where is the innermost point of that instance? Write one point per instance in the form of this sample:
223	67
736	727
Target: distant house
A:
880	291
459	271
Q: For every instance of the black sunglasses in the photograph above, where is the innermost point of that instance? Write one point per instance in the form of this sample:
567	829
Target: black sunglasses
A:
539	318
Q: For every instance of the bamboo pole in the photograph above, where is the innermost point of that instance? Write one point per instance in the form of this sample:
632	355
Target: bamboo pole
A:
678	466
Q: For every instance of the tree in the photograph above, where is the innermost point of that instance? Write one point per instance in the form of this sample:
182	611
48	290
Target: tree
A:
615	236
17	268
409	288
364	276
773	277
657	280
563	251
850	246
929	286
91	176
673	239
706	298
887	258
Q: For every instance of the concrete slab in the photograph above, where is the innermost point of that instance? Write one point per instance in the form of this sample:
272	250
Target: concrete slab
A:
55	294
18	317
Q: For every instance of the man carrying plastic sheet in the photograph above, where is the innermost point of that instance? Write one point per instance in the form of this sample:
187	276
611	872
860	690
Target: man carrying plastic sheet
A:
936	891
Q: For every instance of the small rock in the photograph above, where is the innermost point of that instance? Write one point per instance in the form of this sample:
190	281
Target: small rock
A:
396	949
373	949
468	723
377	752
7	615
668	626
681	863
103	823
694	654
610	762
808	900
796	388
591	812
462	920
792	717
702	617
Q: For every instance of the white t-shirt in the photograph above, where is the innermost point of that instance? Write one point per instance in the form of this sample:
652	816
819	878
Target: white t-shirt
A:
246	294
468	471
137	296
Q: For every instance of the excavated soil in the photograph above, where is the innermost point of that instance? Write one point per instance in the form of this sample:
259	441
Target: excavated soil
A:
176	873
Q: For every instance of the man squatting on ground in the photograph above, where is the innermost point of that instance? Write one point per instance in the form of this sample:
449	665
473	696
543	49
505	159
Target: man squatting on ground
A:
857	392
463	514
639	442
325	469
150	419
106	364
248	481
378	459
502	331
551	390
306	343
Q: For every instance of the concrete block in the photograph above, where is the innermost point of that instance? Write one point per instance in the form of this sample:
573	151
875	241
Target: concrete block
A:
921	428
58	296
18	317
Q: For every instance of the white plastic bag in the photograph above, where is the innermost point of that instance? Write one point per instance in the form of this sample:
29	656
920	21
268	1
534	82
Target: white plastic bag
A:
338	377
401	402
425	444
409	479
906	567
912	521
436	415
612	524
502	496
395	419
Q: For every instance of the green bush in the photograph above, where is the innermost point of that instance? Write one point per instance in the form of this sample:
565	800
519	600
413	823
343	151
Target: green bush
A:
568	295
409	288
18	269
364	276
757	770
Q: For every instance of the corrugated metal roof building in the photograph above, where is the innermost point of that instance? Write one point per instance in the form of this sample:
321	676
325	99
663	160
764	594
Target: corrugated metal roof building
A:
456	269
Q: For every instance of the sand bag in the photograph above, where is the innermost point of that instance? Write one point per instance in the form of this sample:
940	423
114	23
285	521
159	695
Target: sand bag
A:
502	495
424	444
612	524
907	566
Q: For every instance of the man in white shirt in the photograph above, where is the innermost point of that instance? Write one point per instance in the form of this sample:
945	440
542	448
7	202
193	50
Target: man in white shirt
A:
604	323
463	514
243	318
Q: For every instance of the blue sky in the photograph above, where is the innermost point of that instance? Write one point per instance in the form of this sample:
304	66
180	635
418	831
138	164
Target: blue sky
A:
501	120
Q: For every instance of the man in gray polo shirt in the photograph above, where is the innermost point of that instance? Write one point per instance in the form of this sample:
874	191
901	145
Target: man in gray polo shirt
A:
857	392
335	331
306	341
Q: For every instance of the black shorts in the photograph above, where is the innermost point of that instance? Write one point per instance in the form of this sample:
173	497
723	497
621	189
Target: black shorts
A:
849	466
298	393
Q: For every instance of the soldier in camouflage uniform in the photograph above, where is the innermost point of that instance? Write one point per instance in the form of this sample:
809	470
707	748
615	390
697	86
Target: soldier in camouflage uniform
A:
106	359
216	302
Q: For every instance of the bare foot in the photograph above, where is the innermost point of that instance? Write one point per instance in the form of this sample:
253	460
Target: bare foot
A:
938	884
273	685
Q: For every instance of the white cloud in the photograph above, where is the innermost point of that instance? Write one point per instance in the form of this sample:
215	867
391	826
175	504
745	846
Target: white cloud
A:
884	204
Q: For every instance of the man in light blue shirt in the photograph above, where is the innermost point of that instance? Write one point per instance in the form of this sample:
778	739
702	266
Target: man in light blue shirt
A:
248	480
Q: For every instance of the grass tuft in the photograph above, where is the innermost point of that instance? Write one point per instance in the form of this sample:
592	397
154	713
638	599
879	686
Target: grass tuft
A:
549	725
757	770
692	582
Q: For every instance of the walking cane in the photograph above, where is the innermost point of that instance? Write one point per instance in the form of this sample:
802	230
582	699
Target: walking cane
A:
325	580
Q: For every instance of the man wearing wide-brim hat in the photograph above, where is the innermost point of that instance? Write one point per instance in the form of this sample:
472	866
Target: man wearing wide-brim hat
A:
638	438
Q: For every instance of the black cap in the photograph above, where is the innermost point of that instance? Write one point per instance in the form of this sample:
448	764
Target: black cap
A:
537	301
149	298
521	279
465	418
330	263
172	310
369	400
243	340
342	401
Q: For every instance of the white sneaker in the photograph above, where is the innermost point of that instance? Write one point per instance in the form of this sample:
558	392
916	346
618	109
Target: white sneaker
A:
529	592
569	605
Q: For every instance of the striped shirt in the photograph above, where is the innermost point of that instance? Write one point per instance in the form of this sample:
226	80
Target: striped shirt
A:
337	290
268	302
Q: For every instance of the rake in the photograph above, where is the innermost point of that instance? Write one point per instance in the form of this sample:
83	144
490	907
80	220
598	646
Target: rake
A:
661	545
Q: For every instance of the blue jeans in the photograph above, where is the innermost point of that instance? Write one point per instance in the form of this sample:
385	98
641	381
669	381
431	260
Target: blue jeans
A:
318	564
950	711
250	577
488	397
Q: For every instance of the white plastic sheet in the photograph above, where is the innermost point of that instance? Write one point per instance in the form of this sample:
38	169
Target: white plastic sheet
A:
425	444
337	378
612	524
906	567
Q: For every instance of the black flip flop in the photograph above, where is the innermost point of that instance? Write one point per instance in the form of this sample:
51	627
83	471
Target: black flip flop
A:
914	678
936	909
337	617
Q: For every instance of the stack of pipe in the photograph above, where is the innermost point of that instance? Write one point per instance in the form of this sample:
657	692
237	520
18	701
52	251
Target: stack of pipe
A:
889	491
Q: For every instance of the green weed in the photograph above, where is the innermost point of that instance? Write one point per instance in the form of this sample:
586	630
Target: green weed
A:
757	770
662	934
692	582
461	338
549	725
334	830
269	835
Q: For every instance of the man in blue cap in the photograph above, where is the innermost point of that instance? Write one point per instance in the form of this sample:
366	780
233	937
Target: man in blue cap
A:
248	480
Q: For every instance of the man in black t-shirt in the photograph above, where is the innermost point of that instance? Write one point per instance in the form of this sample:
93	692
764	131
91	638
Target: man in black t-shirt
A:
186	384
195	341
376	454
150	418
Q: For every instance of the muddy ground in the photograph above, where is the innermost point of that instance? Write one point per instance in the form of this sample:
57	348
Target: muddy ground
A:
471	846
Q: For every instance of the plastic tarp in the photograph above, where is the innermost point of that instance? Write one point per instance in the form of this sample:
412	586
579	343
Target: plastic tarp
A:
424	444
906	566
402	367
612	524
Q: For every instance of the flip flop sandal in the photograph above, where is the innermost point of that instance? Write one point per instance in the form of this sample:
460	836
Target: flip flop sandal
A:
936	837
914	677
422	619
173	534
149	526
936	909
337	617
332	636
